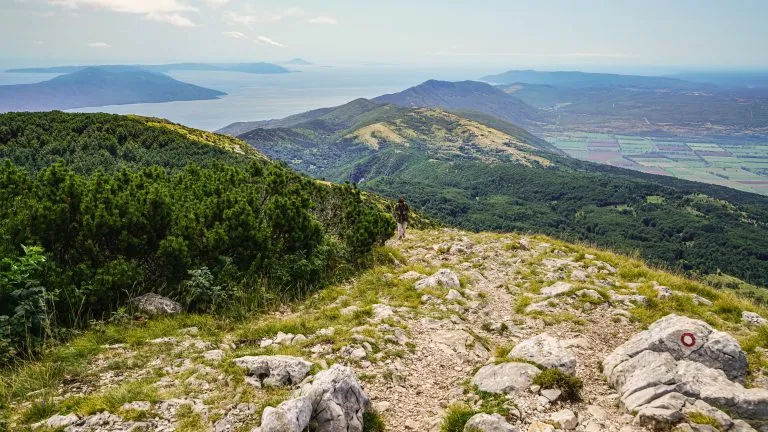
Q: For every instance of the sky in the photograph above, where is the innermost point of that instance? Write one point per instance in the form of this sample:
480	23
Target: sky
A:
545	34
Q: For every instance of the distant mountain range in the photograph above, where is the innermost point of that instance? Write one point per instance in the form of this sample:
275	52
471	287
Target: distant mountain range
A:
474	170
571	79
254	68
100	86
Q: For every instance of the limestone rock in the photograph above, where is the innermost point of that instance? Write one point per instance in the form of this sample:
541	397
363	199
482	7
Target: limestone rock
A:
275	371
564	419
153	304
444	277
753	319
546	351
538	426
454	295
670	334
663	292
505	377
57	421
488	423
338	400
290	416
411	275
557	289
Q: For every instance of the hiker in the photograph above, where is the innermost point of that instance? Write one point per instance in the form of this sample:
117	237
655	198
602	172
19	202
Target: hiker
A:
401	216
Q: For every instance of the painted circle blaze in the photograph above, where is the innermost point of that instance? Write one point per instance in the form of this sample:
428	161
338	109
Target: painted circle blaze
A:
688	339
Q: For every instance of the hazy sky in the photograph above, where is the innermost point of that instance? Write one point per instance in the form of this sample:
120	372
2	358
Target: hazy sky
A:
503	33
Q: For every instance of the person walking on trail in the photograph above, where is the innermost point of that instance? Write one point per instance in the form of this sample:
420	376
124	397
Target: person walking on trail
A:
401	216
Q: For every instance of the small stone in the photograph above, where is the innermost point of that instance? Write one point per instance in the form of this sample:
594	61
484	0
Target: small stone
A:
58	421
564	419
411	425
349	310
137	406
266	342
699	300
534	388
454	295
213	355
753	319
190	331
299	338
538	426
488	423
551	394
283	338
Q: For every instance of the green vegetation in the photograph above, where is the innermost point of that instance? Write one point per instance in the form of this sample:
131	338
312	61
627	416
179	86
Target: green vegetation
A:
456	417
468	182
703	419
81	239
570	386
372	422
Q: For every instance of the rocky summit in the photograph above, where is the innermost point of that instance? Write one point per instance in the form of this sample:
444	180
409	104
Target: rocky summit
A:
449	331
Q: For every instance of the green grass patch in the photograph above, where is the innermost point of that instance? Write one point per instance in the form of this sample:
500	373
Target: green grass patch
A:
570	386
372	422
456	416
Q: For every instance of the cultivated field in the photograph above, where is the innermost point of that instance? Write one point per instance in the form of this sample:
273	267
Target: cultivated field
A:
738	165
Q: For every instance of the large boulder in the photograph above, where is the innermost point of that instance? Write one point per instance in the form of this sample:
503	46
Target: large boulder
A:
689	339
154	304
661	378
443	277
505	377
546	351
488	423
275	371
332	401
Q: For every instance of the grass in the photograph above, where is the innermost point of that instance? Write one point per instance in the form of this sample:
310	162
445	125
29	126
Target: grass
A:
372	422
456	416
703	419
570	386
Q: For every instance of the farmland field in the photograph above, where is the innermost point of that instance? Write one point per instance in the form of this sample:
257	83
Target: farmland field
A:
734	164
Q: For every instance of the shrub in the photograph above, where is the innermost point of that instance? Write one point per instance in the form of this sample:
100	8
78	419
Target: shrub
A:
570	386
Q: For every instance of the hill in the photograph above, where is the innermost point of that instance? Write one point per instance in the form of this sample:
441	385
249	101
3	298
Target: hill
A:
99	86
298	62
255	68
468	96
574	79
98	209
461	178
453	324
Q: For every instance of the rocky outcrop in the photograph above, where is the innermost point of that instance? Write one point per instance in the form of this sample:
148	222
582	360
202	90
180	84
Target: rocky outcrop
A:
753	319
333	401
680	365
488	423
685	339
443	278
153	304
505	377
274	371
546	351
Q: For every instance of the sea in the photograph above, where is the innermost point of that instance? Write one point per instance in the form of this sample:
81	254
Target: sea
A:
269	96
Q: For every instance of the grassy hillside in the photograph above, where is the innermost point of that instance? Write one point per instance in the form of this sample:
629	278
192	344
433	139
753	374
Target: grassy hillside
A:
418	346
96	209
465	181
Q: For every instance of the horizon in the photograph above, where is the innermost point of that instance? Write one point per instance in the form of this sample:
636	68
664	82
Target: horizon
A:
591	36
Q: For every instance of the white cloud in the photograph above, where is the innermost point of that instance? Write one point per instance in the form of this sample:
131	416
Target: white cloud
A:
170	18
164	11
250	16
263	40
522	54
235	34
259	40
322	20
99	45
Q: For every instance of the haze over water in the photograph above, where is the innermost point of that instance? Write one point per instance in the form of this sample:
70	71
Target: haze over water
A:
262	97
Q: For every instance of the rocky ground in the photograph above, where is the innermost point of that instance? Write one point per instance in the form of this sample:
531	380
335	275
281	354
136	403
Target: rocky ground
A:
454	323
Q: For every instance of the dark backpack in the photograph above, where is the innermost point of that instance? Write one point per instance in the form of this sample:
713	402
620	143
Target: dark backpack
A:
401	212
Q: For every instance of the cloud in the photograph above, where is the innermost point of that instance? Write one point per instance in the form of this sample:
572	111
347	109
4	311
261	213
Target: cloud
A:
263	40
99	45
38	42
235	34
259	40
250	16
216	3
164	11
322	20
170	18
